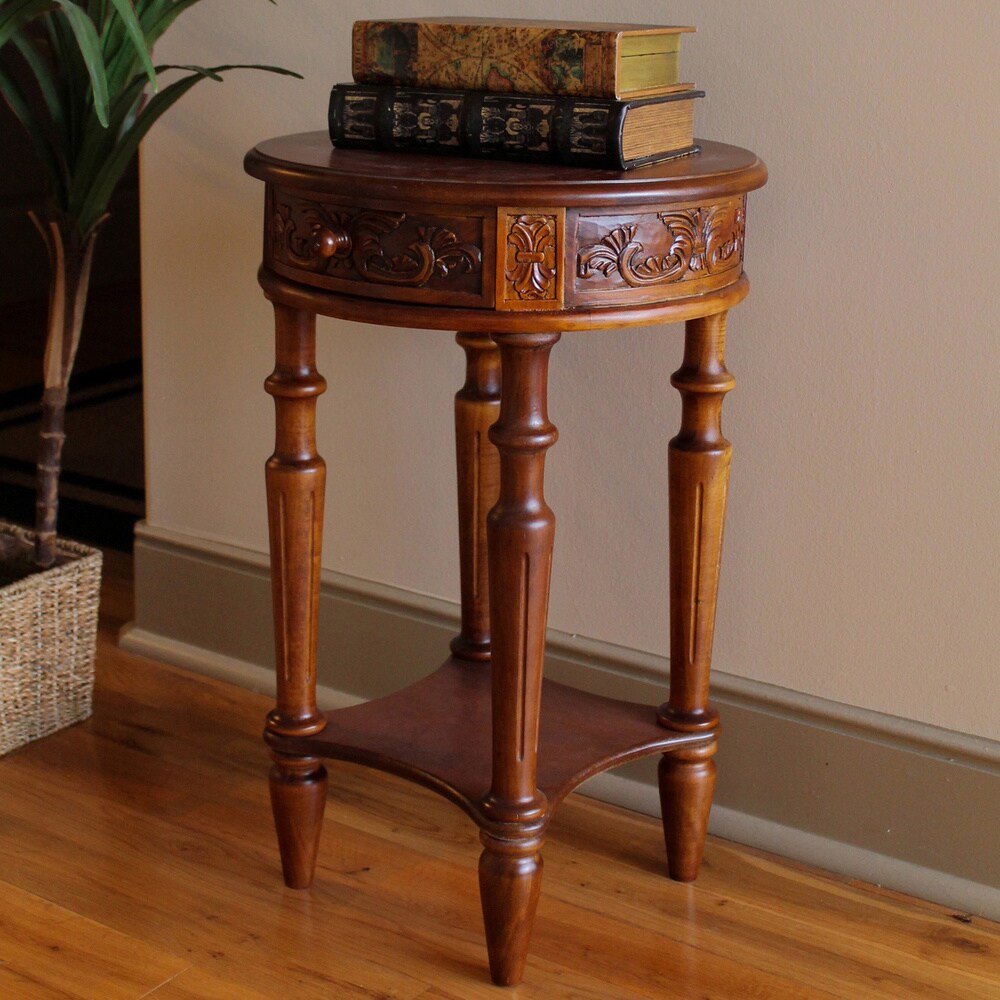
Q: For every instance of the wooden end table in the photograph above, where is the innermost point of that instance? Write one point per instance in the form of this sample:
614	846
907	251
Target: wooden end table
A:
511	255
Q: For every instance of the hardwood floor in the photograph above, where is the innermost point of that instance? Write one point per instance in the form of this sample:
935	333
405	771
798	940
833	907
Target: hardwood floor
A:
138	861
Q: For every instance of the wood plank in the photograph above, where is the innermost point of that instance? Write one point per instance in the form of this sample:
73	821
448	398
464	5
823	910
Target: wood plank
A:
623	867
776	915
149	825
408	809
349	920
25	987
200	984
47	951
430	936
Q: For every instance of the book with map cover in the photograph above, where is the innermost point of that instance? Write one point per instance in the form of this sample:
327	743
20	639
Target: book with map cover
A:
600	133
614	61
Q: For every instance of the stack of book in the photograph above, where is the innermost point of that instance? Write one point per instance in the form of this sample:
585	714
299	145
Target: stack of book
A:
597	95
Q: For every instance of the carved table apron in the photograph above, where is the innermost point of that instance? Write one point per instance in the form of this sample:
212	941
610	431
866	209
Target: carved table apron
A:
511	255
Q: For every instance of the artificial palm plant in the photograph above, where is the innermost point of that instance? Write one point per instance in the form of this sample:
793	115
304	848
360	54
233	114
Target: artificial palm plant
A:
86	92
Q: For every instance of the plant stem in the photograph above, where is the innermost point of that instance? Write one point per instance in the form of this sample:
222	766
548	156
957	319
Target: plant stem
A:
50	445
70	258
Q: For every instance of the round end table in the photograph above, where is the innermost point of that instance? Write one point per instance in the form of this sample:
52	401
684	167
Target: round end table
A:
511	256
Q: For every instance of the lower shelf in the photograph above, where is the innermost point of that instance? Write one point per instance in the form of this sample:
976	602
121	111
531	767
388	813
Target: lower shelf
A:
437	733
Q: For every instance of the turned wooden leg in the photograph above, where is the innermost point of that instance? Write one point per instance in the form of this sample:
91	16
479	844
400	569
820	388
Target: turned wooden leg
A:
520	530
510	878
298	795
687	781
477	404
296	476
699	476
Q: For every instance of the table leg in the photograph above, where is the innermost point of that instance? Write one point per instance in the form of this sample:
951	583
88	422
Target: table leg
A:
520	531
699	459
296	477
477	404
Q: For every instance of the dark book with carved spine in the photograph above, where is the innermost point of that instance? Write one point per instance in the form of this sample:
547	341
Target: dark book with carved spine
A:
518	56
589	132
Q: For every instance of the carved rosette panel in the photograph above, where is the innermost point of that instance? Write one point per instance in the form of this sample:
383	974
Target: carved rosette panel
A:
680	245
530	259
374	246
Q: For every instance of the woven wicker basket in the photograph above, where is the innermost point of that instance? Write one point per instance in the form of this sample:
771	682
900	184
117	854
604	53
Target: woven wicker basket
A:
48	635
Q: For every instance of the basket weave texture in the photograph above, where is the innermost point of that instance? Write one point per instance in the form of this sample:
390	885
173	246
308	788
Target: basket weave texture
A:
48	635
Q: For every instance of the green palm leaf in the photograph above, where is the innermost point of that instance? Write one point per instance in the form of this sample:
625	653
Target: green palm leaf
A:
83	105
125	41
47	85
15	15
157	17
91	194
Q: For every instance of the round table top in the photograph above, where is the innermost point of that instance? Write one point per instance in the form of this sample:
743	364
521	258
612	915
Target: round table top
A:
308	160
425	241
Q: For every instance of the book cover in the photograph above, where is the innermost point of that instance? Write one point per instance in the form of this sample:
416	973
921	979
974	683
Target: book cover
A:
506	56
598	133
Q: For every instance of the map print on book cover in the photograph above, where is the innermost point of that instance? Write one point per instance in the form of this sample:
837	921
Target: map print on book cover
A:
532	57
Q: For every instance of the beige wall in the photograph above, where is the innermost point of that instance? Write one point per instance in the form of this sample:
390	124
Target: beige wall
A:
861	559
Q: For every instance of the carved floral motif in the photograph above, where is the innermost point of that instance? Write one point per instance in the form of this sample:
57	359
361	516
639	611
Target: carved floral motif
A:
702	241
305	235
530	270
311	236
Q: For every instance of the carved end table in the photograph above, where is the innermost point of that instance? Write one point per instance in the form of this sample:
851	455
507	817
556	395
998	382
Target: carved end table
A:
511	255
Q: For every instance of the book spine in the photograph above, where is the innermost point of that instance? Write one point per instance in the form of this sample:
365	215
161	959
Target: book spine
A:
515	59
577	132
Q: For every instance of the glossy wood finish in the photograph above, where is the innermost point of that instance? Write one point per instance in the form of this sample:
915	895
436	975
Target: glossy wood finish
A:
298	797
296	482
520	533
296	478
433	317
580	735
512	255
477	404
308	162
466	244
137	854
699	458
687	781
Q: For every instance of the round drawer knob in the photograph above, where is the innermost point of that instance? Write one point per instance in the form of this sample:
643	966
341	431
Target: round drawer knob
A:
330	242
